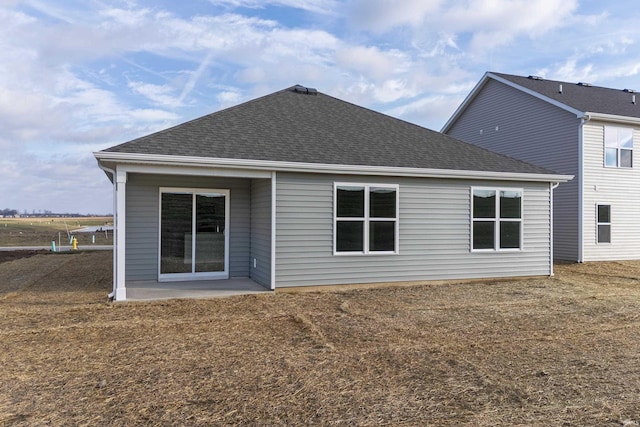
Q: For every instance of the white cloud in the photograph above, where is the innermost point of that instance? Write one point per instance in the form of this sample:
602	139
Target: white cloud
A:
152	115
159	94
431	111
124	17
61	183
445	45
229	98
383	15
489	23
316	6
74	79
493	23
372	61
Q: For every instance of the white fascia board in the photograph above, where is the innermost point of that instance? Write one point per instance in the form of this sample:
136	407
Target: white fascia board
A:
245	168
193	170
612	118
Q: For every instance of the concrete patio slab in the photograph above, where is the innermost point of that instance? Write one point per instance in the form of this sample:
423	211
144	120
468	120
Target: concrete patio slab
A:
153	290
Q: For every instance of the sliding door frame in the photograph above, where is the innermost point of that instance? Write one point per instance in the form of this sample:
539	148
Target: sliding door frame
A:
193	275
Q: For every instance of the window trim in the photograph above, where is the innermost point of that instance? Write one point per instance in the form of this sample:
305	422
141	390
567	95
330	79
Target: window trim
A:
598	224
618	148
496	220
366	219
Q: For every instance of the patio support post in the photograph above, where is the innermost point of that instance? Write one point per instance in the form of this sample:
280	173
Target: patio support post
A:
273	231
119	244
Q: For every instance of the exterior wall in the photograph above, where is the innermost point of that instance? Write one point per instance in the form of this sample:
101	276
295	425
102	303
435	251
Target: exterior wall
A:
618	187
261	231
142	221
434	227
511	122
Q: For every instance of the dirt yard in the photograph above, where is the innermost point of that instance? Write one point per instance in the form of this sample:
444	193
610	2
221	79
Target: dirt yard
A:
562	351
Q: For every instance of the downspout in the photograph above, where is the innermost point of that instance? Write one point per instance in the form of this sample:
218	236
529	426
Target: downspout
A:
552	186
585	118
112	294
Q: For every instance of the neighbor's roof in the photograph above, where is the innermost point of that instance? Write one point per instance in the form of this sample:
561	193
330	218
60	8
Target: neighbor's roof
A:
295	126
582	96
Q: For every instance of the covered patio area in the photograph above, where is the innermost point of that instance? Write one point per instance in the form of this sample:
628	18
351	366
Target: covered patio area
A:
153	290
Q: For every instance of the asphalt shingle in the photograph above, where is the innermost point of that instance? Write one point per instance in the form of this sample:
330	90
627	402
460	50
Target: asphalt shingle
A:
289	126
593	99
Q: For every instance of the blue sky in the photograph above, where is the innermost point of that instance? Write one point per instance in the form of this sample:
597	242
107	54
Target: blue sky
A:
80	76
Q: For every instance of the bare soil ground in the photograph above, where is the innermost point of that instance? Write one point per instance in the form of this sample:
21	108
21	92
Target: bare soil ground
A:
535	352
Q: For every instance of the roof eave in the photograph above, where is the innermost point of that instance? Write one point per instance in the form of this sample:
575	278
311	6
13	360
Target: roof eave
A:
280	166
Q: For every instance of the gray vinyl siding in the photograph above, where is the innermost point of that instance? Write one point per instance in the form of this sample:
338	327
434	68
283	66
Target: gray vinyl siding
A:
142	222
434	225
261	231
508	121
618	187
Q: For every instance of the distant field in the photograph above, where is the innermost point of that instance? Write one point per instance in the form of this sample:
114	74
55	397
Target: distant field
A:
41	231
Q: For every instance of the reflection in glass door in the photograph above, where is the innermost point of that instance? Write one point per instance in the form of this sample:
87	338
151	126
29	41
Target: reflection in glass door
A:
210	224
193	238
175	229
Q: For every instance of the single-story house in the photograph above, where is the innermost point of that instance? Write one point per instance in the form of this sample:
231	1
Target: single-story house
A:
298	188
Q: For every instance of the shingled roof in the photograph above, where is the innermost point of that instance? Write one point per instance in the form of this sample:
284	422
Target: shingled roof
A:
306	126
582	96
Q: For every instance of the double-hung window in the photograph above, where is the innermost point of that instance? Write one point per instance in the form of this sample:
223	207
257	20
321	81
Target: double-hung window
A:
496	219
604	223
365	218
618	147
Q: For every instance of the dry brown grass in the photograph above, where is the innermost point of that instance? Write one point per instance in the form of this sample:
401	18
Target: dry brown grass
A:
547	351
41	231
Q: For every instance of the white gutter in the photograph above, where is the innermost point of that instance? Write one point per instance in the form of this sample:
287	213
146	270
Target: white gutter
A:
611	118
270	165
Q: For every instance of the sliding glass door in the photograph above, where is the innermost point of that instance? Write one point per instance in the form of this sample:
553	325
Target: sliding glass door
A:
194	241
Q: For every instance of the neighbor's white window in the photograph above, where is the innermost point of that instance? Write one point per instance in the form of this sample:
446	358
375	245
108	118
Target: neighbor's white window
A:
603	214
496	219
618	147
365	218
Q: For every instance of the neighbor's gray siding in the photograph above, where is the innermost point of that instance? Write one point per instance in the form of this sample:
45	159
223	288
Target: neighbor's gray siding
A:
511	122
434	234
261	231
142	199
618	187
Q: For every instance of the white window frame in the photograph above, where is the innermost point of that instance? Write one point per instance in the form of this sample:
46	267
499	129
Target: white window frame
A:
598	224
366	219
618	148
170	277
496	220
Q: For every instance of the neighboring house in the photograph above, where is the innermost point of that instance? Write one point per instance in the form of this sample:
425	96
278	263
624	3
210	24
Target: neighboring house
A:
571	128
298	188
